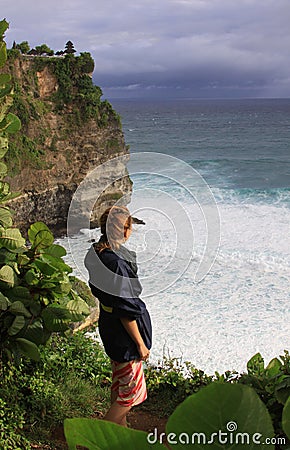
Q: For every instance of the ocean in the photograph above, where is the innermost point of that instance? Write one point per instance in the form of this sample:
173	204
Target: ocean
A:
211	181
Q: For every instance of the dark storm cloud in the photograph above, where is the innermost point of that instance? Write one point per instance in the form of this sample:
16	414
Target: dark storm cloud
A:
182	47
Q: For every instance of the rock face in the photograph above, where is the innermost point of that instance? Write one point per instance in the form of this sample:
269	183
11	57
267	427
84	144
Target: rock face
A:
56	150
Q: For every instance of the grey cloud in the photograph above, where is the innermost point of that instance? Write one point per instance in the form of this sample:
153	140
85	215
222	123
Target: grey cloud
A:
169	44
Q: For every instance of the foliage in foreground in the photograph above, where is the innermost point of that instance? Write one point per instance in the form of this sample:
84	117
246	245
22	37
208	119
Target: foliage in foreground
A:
70	380
221	415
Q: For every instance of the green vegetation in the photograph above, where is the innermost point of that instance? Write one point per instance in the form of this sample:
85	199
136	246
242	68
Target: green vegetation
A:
76	96
70	380
240	406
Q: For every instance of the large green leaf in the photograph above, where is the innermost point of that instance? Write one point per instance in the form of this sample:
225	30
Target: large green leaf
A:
282	390
35	333
4	25
78	306
28	348
3	53
3	146
6	256
5	217
19	309
31	277
5	103
4	92
12	123
221	416
55	250
4	302
35	229
286	418
17	325
56	318
7	277
255	365
97	434
11	238
4	78
20	293
3	170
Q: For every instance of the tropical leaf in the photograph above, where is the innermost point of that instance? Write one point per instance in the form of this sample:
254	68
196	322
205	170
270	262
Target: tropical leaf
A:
11	238
3	170
56	318
4	25
28	348
282	390
3	53
5	103
4	302
78	307
4	78
286	418
19	309
274	366
231	409
7	277
34	229
4	92
97	434
10	124
255	365
3	146
55	250
5	217
17	325
31	277
19	293
35	333
6	256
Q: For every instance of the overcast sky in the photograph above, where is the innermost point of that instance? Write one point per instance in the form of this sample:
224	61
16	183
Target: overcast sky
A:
167	48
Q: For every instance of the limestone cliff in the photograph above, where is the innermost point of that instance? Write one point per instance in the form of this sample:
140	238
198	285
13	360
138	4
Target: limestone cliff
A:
67	131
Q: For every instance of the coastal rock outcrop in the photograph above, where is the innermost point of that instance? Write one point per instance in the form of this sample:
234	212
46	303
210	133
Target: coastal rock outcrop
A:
67	131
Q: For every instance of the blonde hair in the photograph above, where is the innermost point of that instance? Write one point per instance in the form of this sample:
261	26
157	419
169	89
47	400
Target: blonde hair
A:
114	221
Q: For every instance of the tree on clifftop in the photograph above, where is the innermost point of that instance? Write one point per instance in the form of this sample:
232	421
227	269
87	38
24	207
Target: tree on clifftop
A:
43	49
24	47
69	48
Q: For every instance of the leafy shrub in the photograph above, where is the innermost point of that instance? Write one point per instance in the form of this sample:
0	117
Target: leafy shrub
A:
271	383
221	415
11	424
70	380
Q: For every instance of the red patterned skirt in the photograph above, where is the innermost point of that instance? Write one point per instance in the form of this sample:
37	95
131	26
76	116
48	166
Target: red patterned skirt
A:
129	382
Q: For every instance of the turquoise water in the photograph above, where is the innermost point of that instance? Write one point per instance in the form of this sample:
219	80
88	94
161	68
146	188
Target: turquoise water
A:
240	149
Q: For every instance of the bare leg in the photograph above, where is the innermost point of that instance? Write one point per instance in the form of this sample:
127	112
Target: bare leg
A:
117	414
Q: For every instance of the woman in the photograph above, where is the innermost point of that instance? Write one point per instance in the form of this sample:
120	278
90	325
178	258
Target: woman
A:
124	322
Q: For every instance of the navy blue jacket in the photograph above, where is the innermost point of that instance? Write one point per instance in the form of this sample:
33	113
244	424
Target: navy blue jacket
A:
114	281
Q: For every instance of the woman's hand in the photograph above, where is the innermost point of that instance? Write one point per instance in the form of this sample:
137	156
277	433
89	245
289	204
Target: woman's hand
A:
143	352
132	329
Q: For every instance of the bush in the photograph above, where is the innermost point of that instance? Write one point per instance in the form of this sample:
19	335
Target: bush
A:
71	379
